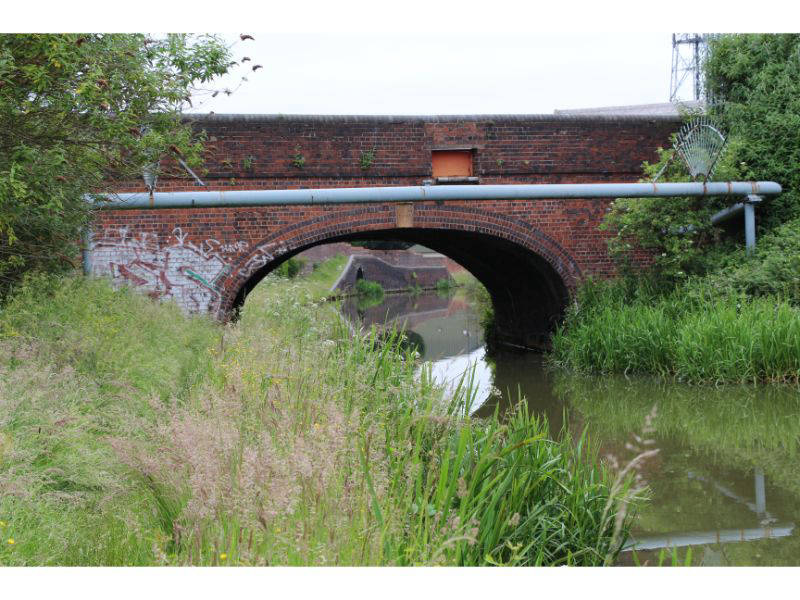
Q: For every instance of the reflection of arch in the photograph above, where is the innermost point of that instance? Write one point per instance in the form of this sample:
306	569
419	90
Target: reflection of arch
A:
527	273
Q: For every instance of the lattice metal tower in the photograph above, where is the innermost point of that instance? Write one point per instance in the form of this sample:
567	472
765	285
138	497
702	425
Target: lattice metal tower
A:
689	52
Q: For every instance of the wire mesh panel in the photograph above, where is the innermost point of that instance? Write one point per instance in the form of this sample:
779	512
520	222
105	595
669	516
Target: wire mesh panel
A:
700	144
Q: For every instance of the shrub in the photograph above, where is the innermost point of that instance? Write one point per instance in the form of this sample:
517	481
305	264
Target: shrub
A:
290	268
369	289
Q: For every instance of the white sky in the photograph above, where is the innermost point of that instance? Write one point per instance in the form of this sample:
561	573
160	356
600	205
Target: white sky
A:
427	56
396	73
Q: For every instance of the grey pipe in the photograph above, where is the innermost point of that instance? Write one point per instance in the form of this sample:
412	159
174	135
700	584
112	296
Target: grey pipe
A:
727	213
696	538
436	193
750	221
748	207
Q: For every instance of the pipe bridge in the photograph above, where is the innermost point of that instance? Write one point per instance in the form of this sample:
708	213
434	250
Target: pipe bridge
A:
530	245
532	191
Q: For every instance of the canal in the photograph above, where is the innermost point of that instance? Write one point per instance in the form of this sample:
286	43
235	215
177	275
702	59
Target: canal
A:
724	481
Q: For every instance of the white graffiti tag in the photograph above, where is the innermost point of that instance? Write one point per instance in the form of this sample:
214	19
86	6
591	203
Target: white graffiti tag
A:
262	255
179	270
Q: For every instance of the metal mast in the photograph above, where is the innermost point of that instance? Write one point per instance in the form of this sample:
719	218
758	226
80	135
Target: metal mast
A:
689	51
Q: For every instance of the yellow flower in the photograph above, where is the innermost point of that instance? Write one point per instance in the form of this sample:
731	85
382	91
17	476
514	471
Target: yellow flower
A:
11	541
223	556
2	523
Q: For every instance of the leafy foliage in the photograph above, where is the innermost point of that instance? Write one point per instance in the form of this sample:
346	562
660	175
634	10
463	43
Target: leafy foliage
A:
755	80
675	232
290	268
78	111
773	268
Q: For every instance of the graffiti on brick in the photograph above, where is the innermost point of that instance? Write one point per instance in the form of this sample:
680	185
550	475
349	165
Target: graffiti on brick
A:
180	270
261	256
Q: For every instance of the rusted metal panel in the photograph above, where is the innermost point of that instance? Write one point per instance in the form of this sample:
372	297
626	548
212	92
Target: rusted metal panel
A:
452	163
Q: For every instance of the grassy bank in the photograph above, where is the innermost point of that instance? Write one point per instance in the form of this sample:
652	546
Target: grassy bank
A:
131	434
692	337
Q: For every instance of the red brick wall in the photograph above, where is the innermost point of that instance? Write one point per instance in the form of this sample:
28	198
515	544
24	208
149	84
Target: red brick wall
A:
257	151
202	257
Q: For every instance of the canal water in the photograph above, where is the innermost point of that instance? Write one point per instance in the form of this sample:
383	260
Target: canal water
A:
725	481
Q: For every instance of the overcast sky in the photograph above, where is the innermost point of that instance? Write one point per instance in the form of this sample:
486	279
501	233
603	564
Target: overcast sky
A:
326	73
427	56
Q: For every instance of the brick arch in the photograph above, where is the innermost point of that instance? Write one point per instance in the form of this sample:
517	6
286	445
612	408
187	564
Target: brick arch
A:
375	221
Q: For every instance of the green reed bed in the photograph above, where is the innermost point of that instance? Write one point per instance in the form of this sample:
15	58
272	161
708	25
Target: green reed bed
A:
688	337
131	434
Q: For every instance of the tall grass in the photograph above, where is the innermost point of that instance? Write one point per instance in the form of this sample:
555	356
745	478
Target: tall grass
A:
323	275
81	363
693	338
284	440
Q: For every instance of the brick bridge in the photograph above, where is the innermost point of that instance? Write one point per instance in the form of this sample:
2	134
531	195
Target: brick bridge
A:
530	254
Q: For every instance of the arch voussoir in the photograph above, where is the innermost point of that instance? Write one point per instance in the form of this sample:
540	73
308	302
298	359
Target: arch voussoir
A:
284	242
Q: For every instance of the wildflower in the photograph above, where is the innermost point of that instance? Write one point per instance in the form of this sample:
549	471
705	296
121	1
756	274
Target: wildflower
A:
223	556
11	541
462	488
2	523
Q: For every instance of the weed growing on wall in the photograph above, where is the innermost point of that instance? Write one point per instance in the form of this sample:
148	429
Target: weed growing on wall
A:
366	159
298	160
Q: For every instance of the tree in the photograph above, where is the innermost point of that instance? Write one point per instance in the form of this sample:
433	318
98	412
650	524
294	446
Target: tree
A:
755	81
675	232
78	112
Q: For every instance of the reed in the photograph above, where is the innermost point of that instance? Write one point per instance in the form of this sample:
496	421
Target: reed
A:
283	440
692	338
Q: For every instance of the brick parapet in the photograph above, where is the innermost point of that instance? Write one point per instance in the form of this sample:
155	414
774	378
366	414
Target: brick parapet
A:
204	258
249	152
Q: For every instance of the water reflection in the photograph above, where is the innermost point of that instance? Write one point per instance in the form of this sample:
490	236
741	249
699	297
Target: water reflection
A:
726	469
444	329
724	481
